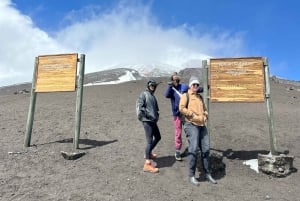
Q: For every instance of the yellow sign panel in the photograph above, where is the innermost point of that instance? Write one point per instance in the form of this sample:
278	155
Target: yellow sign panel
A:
237	80
56	73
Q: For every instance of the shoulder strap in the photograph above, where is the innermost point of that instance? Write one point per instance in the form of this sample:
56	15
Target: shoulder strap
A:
187	100
179	94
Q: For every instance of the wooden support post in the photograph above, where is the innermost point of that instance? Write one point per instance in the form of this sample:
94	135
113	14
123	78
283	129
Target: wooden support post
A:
31	110
273	146
79	100
206	91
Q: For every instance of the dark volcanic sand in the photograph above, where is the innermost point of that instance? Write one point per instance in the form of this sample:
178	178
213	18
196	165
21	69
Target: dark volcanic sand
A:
114	142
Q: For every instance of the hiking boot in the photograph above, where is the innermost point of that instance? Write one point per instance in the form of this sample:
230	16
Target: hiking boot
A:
178	156
194	181
210	179
152	156
148	167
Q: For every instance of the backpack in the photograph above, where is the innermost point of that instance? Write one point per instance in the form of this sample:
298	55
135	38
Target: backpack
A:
182	116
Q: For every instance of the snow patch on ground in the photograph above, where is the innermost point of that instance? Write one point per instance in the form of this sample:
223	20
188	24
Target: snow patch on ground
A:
124	78
253	163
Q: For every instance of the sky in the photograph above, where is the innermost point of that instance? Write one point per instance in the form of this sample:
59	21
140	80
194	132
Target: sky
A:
170	32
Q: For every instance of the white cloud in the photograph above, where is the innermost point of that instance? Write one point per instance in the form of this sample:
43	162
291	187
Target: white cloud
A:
20	43
126	34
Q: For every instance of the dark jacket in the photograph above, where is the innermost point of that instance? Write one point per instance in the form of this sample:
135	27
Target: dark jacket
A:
147	107
174	96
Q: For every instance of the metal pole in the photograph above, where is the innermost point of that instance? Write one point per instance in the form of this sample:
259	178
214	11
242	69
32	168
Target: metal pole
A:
205	91
79	100
269	108
31	109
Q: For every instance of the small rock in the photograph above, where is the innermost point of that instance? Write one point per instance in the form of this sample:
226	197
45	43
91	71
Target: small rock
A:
72	156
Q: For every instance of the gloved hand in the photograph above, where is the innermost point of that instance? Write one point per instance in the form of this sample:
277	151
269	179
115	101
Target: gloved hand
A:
190	114
205	113
200	118
140	115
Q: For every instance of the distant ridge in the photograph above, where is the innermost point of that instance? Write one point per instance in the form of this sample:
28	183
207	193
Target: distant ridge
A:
284	81
114	76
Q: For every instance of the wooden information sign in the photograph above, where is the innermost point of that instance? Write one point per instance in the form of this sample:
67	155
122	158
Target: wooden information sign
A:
237	80
56	73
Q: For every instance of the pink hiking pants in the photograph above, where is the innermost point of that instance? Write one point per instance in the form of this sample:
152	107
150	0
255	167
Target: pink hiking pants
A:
178	130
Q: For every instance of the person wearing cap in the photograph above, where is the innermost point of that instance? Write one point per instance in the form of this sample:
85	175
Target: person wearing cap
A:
148	113
193	108
174	91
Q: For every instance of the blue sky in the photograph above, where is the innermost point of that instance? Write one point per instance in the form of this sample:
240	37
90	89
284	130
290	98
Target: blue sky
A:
171	32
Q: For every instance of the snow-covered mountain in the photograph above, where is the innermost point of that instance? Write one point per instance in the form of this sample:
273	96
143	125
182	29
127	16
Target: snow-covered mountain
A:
113	76
127	72
149	70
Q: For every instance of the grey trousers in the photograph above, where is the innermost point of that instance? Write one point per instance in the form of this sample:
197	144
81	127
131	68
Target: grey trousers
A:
198	140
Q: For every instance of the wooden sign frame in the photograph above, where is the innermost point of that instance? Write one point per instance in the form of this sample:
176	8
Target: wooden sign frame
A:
56	72
254	77
55	64
237	79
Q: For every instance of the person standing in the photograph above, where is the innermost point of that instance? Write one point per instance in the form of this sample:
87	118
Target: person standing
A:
148	113
174	91
192	106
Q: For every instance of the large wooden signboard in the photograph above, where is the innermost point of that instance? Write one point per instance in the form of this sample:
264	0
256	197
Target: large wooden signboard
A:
237	80
56	73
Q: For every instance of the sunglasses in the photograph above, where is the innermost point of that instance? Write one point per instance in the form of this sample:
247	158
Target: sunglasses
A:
197	85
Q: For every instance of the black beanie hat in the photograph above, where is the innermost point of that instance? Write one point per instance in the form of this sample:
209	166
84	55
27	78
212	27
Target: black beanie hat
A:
151	82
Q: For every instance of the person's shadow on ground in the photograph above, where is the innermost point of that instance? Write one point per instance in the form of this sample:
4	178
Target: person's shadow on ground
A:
91	143
217	166
243	154
165	161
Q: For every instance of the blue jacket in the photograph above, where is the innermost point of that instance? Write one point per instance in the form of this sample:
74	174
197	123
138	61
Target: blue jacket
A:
174	97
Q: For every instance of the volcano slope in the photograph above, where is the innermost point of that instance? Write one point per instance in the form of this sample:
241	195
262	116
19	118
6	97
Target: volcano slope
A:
113	140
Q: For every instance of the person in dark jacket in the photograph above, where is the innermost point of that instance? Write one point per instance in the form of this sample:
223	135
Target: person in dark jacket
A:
148	113
174	91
